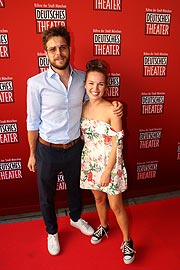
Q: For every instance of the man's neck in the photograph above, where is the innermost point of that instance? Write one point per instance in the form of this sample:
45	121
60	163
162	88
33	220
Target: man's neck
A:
64	75
62	72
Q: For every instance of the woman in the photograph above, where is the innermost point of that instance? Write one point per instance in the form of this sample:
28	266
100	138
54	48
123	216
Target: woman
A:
102	165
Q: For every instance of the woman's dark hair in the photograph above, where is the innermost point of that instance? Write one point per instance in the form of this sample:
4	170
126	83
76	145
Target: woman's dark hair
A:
97	65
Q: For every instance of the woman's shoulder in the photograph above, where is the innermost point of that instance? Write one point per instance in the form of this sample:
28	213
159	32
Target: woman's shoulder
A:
108	104
108	107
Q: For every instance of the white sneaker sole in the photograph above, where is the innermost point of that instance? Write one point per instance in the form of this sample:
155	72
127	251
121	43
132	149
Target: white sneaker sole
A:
129	261
94	242
53	254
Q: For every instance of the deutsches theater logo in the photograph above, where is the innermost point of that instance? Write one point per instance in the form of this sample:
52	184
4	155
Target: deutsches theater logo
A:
61	184
8	131
150	138
2	4
155	64
157	22
49	15
6	90
113	89
43	62
106	42
152	103
111	5
11	169
4	44
147	170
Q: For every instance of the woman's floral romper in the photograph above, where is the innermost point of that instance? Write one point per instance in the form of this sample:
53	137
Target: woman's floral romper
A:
98	143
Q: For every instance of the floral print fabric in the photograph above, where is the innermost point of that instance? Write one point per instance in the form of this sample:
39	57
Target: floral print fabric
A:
98	143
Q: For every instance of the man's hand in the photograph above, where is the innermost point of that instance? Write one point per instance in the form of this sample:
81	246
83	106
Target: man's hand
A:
32	139
32	164
117	108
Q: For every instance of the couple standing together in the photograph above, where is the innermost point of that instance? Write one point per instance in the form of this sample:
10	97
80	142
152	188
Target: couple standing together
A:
59	101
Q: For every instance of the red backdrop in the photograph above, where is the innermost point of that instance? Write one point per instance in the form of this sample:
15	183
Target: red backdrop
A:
140	40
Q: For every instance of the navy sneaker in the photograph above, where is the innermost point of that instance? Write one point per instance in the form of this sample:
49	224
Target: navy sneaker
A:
129	252
99	234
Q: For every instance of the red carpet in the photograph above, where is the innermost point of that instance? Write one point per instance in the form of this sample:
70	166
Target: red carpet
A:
154	226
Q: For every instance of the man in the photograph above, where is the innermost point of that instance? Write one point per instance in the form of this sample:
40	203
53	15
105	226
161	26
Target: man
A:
54	104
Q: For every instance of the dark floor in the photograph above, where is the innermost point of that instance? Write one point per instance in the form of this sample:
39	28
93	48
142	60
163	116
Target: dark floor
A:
89	208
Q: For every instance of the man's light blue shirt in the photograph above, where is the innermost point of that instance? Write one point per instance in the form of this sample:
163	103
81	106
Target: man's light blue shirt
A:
54	110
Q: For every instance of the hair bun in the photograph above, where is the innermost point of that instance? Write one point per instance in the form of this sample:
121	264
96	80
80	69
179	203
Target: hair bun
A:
96	65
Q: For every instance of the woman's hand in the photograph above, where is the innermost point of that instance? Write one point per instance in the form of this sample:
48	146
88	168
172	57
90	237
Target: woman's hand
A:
105	179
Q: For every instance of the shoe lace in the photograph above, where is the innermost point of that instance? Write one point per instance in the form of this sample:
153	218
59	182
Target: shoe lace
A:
99	232
52	238
84	223
126	249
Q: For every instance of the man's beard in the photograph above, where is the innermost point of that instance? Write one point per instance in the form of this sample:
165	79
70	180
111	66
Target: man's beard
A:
63	67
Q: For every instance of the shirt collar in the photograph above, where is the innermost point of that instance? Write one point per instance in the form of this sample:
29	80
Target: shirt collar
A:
51	72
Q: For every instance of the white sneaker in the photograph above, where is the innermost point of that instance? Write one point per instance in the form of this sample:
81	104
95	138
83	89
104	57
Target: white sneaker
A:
83	226
53	244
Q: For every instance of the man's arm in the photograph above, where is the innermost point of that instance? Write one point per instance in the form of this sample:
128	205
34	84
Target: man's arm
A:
32	140
117	108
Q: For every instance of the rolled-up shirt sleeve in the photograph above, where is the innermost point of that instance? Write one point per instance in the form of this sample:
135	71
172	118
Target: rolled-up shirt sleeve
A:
33	107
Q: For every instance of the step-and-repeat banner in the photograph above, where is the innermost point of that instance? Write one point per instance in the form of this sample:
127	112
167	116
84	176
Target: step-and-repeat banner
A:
140	40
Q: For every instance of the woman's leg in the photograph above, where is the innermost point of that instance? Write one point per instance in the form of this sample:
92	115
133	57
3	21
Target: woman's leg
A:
116	204
102	230
117	207
101	206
